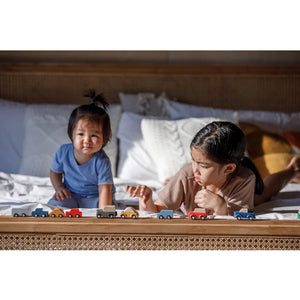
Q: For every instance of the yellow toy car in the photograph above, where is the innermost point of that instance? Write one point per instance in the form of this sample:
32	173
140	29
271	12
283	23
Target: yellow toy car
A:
129	212
57	212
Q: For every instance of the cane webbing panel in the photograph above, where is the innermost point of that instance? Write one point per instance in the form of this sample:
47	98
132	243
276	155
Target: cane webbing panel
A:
30	241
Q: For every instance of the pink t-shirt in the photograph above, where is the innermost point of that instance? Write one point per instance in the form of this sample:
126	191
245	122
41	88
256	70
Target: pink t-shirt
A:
179	193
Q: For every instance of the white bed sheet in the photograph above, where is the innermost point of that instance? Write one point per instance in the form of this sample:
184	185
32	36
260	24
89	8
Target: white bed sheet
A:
32	192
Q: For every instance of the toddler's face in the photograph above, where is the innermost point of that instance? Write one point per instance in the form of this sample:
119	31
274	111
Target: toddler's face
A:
206	171
87	137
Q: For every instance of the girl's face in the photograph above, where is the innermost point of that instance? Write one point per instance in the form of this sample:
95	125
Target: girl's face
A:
208	172
87	137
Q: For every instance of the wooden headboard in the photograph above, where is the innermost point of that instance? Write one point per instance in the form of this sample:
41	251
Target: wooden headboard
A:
264	87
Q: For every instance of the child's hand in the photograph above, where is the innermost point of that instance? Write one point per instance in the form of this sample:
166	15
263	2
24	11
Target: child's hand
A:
143	192
209	200
62	194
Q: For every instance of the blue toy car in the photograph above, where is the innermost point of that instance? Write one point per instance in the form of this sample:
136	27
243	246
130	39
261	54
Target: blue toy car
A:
39	212
244	214
165	214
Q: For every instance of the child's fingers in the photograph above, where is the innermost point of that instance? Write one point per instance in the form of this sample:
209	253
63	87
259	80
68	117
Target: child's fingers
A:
130	189
67	193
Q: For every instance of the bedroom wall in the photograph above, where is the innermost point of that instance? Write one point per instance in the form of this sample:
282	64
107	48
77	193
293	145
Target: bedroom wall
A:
165	57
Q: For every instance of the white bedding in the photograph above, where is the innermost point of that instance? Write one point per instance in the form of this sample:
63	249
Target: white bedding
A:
32	192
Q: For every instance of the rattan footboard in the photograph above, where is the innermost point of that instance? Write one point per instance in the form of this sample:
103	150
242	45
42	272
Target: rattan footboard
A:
147	234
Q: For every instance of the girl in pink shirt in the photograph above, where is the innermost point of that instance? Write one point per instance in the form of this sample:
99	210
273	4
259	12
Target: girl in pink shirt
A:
220	178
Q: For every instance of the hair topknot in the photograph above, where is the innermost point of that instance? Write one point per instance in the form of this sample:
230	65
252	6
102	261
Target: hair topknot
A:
97	100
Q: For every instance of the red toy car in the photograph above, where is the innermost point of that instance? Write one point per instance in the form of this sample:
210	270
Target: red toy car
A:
74	212
198	213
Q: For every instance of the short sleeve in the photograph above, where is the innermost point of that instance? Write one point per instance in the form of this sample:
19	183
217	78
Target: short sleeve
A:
104	172
242	193
57	165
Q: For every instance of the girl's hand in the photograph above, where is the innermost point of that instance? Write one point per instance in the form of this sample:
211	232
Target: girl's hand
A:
209	200
62	194
145	196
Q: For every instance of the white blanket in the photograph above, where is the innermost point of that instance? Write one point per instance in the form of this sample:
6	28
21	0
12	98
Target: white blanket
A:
32	192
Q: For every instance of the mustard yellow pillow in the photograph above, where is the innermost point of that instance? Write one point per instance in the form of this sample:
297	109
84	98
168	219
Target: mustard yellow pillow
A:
270	152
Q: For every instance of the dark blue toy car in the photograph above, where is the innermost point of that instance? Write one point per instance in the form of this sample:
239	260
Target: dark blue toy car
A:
244	214
39	212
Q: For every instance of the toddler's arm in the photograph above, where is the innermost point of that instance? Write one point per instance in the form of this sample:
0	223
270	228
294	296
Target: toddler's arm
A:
105	196
61	192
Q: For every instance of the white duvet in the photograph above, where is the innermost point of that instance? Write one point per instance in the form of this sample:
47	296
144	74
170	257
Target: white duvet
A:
32	192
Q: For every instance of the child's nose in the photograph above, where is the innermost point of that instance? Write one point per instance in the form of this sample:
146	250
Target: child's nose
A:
87	139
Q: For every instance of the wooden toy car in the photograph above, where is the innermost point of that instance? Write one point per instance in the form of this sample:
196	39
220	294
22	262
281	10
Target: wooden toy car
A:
74	213
21	212
39	212
244	214
108	211
198	213
57	212
129	212
165	214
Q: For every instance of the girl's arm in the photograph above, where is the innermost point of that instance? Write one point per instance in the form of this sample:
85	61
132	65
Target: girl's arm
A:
209	200
105	195
145	198
61	192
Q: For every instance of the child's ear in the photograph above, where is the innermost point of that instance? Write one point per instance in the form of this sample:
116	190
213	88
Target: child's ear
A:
230	168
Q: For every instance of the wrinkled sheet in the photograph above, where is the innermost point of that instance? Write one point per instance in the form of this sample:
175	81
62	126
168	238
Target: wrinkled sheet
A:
33	192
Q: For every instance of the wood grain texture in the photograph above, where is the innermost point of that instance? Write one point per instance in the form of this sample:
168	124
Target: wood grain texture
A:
261	87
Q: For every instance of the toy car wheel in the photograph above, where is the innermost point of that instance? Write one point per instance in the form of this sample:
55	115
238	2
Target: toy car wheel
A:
239	217
43	215
70	216
169	217
133	216
23	215
60	215
202	218
193	217
123	216
161	217
111	216
52	215
77	216
16	214
36	215
99	216
251	218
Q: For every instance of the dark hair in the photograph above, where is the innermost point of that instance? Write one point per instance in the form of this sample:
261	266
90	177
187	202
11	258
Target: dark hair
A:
92	112
224	143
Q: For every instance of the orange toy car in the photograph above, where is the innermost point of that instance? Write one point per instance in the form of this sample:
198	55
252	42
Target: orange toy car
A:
57	212
129	212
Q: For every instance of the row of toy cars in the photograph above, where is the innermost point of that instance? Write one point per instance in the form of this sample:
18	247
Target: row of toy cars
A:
109	211
39	212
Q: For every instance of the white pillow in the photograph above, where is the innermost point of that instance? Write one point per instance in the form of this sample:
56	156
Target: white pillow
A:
168	142
143	104
11	135
269	120
135	162
46	129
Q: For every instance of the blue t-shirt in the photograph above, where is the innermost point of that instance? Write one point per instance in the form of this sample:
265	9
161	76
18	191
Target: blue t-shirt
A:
82	180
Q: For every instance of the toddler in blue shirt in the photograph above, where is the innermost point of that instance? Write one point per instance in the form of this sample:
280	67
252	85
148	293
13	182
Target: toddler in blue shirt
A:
81	171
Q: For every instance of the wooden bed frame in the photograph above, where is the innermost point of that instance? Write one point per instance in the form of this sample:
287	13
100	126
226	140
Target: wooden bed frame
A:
274	88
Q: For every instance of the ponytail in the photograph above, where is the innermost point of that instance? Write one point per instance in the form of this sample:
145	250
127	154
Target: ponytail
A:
97	100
